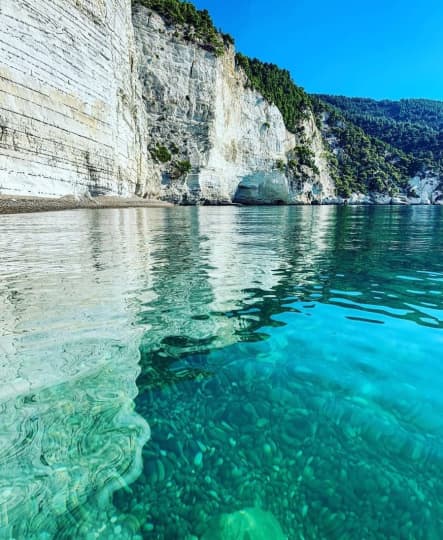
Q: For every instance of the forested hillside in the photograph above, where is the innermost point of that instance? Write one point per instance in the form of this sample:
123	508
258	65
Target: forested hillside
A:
425	112
358	162
414	126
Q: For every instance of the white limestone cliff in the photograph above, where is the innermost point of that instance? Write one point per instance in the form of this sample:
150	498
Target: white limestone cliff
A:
69	121
426	189
97	98
73	121
201	114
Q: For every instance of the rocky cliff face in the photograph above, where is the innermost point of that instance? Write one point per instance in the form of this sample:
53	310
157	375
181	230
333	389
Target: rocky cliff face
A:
211	138
84	111
96	98
69	121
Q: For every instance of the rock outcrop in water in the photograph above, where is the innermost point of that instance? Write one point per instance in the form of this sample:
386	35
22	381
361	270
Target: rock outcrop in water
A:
250	524
104	98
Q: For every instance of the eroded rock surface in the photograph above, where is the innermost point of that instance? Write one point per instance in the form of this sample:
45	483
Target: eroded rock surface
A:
203	118
104	98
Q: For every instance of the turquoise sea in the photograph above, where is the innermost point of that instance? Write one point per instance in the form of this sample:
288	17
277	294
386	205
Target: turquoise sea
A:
222	373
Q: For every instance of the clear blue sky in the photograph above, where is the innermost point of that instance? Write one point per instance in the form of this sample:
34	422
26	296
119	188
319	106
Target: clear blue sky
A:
378	48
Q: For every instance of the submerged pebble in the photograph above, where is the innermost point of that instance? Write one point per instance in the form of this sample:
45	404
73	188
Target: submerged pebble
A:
198	459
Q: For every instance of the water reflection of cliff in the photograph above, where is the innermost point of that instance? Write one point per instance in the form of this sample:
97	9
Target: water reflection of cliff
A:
219	275
345	392
214	276
69	435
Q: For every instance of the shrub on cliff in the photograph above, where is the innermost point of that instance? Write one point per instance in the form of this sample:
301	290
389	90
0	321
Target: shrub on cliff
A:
183	167
161	154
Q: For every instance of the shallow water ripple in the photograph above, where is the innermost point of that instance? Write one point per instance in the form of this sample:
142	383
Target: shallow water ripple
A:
285	359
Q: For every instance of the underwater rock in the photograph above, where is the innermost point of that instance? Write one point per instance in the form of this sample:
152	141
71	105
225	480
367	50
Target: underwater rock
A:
198	459
250	524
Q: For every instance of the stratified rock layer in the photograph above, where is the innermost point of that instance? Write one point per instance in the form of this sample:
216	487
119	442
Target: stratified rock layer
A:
68	117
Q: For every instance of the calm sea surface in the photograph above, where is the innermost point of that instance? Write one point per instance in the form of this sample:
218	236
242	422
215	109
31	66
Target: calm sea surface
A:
222	373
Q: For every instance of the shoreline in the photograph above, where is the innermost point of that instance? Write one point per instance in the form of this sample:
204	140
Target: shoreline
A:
23	204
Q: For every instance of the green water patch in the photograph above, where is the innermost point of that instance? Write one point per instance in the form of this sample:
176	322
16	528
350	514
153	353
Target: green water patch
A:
323	430
64	450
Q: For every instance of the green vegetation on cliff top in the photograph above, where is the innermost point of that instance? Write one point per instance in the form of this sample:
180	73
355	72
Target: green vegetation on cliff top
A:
358	161
276	85
200	28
